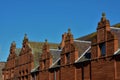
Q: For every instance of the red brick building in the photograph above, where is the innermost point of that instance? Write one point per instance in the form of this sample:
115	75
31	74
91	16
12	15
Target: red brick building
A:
94	57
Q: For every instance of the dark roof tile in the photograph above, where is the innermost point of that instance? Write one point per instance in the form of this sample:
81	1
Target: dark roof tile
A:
37	50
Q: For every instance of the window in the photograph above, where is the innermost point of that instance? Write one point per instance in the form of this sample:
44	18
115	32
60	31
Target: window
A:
102	49
68	58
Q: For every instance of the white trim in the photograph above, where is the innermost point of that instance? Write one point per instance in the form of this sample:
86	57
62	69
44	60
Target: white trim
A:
34	68
56	49
82	41
115	28
55	62
116	51
83	54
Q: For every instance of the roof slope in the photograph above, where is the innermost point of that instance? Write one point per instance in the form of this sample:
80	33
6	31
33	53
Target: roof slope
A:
89	37
37	50
82	46
116	25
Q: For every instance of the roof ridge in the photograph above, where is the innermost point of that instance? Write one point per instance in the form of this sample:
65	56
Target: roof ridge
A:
55	49
116	51
42	42
55	62
115	28
82	41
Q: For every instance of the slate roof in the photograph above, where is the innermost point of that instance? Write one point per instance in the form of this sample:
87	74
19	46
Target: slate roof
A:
17	51
56	57
55	53
82	46
88	37
117	33
37	50
116	25
85	56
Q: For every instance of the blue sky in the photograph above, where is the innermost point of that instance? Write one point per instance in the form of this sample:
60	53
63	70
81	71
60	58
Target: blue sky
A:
49	19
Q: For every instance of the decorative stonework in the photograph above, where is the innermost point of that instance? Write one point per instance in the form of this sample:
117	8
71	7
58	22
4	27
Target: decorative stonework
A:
74	60
46	57
9	69
69	52
105	42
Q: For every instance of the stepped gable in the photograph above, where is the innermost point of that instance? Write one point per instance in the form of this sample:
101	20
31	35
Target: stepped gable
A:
81	46
115	29
87	56
15	51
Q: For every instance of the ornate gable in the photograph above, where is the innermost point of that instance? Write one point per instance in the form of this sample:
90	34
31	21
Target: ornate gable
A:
26	55
69	52
12	51
46	57
11	57
105	43
25	46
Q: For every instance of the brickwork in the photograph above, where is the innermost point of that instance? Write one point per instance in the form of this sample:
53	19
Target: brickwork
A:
25	61
103	66
45	62
105	38
103	69
72	63
9	69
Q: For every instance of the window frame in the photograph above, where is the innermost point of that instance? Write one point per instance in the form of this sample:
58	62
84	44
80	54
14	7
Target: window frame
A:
102	47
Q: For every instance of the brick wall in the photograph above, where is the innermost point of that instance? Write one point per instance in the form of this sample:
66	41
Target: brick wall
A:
103	69
68	72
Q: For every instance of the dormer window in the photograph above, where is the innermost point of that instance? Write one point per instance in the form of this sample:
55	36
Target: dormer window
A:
102	49
67	58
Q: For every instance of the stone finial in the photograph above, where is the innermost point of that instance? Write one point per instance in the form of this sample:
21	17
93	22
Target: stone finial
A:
46	41
25	36
12	47
103	14
13	43
69	30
